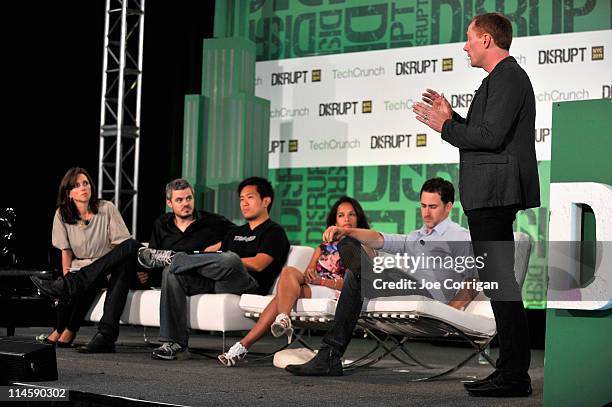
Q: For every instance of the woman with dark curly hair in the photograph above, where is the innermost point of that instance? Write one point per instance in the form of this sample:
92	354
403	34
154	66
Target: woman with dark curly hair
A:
323	278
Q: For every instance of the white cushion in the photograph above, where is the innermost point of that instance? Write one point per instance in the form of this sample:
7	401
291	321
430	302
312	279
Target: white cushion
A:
209	312
305	307
416	305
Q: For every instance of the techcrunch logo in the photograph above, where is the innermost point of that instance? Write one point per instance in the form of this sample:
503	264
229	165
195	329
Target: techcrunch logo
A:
334	144
392	106
295	77
358	72
283	112
558	95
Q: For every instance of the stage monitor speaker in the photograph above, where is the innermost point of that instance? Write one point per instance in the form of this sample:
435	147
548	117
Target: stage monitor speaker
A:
27	360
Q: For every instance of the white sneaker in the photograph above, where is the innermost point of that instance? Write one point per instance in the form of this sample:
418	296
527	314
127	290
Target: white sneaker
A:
234	355
282	326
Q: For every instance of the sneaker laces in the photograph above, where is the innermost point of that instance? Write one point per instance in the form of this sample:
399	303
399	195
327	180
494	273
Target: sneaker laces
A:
170	347
162	256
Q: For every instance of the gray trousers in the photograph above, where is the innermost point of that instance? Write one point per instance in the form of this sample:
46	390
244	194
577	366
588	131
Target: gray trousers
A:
191	274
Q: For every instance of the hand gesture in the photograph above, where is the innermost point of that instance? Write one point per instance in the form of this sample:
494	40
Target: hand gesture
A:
334	234
434	110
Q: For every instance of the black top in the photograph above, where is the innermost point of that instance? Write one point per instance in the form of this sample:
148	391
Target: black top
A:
208	229
269	238
496	142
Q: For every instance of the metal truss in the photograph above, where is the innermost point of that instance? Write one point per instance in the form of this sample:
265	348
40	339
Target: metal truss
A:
120	106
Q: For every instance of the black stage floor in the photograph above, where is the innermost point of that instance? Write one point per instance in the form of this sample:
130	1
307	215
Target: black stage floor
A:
203	381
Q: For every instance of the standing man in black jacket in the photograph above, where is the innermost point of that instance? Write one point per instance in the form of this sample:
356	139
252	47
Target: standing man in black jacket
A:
498	177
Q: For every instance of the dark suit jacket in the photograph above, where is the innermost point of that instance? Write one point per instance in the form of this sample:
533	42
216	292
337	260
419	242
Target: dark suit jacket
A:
497	142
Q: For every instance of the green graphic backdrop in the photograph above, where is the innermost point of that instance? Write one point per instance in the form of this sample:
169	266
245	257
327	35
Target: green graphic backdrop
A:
390	194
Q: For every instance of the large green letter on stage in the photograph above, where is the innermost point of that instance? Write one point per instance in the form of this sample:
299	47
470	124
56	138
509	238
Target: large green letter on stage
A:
578	351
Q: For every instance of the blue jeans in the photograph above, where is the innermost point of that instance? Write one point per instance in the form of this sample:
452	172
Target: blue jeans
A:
191	274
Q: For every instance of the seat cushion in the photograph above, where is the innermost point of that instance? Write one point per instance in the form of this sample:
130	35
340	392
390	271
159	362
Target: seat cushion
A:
209	312
305	307
418	306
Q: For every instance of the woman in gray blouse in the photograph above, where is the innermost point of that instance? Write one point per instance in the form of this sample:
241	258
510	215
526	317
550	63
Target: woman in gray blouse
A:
86	228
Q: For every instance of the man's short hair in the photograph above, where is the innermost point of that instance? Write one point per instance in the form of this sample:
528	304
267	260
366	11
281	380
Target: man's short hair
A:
263	186
440	186
177	185
497	25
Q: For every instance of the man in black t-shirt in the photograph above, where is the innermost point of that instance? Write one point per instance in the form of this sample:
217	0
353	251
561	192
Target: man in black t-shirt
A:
185	229
250	258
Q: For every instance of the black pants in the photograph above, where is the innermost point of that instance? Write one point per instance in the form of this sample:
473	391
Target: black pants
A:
351	300
489	228
70	316
121	265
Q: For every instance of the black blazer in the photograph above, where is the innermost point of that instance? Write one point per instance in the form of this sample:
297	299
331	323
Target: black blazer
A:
496	142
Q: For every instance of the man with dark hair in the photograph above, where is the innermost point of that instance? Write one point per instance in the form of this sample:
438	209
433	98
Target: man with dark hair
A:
438	234
250	258
498	177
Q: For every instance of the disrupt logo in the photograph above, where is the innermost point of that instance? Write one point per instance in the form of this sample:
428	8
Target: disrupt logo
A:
390	141
280	146
542	134
295	77
421	140
461	100
358	72
561	55
597	53
344	108
422	66
283	112
447	64
606	91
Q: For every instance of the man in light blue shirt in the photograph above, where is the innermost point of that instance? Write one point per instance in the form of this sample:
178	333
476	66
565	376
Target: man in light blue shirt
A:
417	259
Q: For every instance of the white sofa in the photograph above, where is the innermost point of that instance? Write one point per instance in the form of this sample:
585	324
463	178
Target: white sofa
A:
207	312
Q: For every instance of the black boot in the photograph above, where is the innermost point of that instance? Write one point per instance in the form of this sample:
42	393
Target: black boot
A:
325	363
52	288
98	344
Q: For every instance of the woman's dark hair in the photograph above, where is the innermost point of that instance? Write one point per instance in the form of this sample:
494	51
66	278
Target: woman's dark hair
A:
66	206
264	188
362	220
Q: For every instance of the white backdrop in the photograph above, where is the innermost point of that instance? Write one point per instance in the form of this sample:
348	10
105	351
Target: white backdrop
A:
562	67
